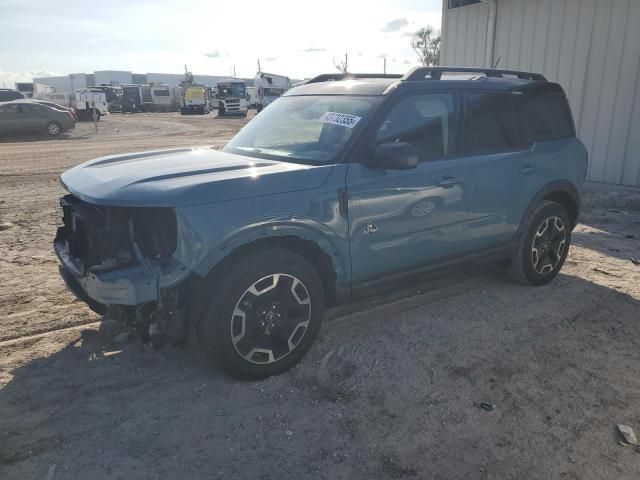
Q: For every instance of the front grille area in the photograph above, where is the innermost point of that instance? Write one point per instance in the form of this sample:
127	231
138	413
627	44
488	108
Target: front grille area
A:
104	237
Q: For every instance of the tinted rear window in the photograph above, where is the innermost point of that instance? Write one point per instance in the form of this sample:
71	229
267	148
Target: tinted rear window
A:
493	123
547	117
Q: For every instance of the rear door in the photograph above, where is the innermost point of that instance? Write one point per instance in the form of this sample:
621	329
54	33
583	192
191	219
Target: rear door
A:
404	219
504	167
33	117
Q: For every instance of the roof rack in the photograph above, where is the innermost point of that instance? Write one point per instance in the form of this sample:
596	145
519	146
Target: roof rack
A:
435	73
326	77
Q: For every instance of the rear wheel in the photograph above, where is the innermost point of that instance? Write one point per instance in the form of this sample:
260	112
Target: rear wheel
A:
543	248
265	314
54	129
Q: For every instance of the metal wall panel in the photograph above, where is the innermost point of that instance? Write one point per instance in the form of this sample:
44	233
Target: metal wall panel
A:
590	47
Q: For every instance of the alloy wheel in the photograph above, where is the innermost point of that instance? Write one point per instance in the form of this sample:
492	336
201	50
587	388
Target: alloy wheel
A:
271	318
549	243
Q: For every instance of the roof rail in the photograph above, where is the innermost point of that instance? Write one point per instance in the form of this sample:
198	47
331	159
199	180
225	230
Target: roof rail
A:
326	77
435	73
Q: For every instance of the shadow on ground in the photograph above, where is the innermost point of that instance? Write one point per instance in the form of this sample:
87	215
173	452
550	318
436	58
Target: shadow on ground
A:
382	394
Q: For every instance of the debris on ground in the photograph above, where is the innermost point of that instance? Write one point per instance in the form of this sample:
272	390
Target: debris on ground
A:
628	434
605	272
630	236
489	407
634	260
288	433
6	225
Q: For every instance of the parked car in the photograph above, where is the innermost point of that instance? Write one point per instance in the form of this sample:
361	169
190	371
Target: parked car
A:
7	94
27	116
341	186
55	106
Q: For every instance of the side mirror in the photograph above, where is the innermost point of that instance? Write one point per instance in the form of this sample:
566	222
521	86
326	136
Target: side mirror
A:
394	156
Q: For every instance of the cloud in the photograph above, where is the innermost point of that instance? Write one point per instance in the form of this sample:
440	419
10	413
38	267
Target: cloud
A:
314	49
382	55
395	25
271	59
214	54
408	62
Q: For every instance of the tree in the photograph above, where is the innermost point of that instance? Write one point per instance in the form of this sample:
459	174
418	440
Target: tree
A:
343	65
426	43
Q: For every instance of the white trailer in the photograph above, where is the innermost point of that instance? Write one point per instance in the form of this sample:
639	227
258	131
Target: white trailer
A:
269	87
251	96
165	98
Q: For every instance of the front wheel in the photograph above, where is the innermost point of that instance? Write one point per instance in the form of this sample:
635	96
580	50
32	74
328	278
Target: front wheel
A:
543	248
265	314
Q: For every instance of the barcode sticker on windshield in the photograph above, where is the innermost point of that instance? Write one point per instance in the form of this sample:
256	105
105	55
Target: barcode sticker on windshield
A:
341	119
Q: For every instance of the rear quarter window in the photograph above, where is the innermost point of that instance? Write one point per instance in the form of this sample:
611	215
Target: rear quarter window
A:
546	117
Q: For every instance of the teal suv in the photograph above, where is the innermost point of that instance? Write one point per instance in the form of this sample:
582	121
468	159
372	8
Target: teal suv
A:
342	185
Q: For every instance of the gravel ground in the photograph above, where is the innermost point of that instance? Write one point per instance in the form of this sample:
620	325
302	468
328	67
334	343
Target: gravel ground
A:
392	388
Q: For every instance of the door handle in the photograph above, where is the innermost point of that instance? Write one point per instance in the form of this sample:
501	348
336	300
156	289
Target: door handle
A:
449	181
528	168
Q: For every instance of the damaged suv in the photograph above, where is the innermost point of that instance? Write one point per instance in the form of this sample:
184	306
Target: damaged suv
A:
341	185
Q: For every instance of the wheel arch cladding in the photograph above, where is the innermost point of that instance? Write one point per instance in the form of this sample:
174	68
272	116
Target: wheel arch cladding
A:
309	244
567	201
563	192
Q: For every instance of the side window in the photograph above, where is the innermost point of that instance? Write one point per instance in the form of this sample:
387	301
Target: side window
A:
546	117
426	121
32	109
493	124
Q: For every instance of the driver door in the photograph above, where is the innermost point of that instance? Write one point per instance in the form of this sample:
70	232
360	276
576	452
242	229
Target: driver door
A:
404	219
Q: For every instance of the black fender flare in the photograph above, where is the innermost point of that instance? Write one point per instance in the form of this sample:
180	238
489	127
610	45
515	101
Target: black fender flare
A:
559	186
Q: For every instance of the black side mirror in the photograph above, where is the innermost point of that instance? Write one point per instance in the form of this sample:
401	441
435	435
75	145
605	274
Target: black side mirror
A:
394	156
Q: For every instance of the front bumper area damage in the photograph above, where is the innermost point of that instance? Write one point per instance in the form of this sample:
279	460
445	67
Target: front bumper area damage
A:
119	262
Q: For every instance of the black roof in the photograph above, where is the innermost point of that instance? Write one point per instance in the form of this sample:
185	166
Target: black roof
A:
436	78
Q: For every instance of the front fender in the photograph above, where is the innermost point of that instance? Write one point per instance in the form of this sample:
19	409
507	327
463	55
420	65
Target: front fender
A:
302	228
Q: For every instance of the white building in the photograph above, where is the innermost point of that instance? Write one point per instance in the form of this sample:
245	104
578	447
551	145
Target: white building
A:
65	83
590	47
109	77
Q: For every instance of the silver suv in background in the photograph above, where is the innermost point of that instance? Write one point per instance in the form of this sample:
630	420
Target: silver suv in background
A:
22	116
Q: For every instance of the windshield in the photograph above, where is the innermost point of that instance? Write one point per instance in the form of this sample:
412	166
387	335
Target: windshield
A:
309	129
231	90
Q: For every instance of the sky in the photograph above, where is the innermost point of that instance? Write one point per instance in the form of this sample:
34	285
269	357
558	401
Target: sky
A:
295	38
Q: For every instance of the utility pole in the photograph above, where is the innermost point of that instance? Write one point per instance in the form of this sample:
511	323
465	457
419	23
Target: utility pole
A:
234	71
259	70
384	65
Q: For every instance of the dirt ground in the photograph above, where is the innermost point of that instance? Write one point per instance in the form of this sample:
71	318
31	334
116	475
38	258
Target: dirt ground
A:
391	389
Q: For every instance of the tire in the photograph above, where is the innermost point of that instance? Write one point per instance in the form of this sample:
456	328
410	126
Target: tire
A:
541	250
265	298
258	108
54	129
221	112
98	115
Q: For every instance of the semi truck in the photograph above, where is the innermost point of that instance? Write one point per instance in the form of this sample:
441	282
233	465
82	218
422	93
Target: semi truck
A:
269	87
232	98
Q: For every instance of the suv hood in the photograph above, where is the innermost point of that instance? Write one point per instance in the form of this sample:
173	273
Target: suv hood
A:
186	176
